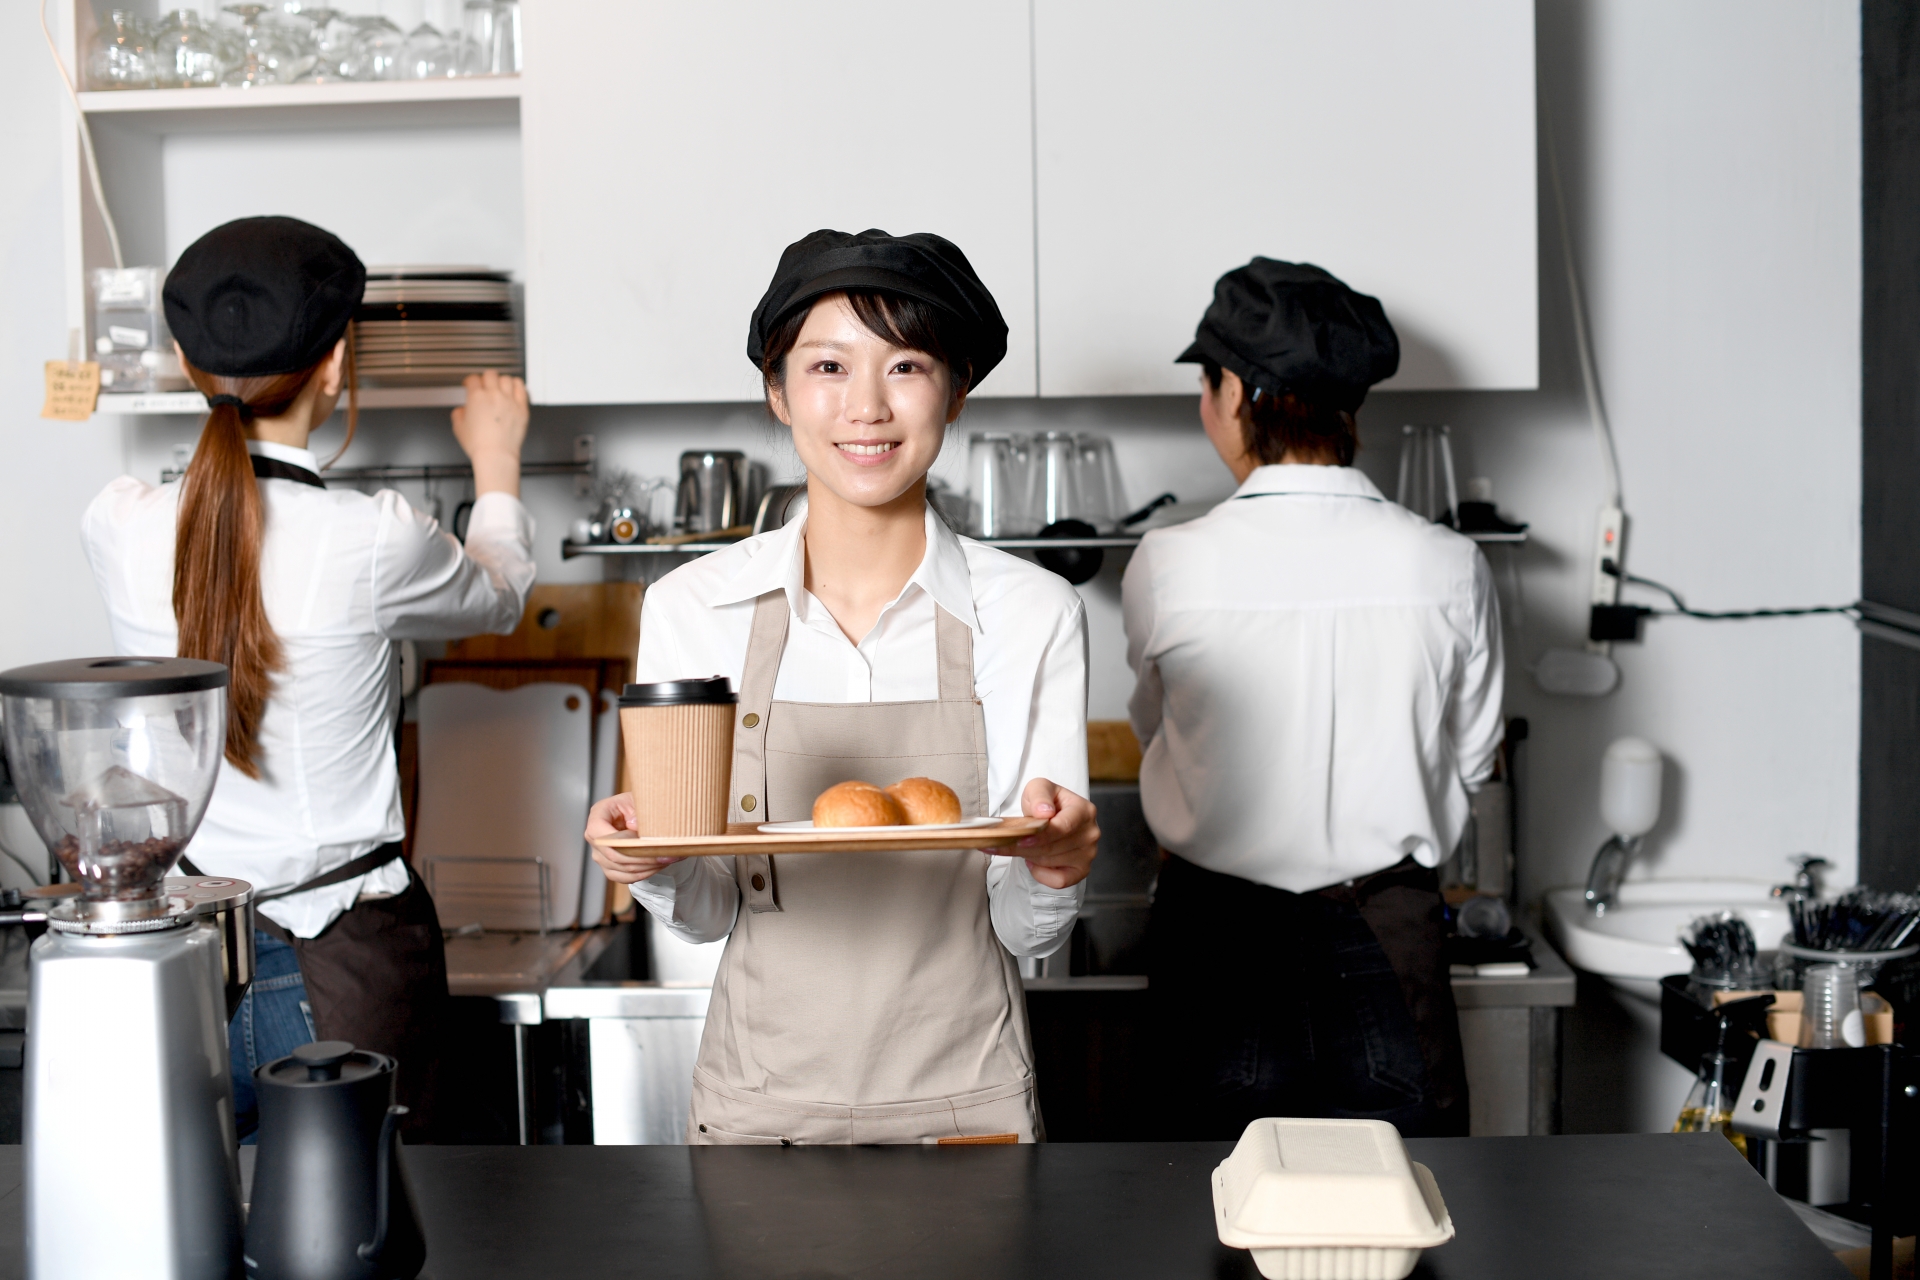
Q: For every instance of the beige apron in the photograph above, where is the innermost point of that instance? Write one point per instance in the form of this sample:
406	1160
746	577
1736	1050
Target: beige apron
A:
863	997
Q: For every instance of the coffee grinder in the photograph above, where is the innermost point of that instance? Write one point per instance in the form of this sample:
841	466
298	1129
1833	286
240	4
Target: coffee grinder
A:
129	1131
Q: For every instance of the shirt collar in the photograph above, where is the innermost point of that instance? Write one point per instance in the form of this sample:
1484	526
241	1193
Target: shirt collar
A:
302	458
779	564
1330	482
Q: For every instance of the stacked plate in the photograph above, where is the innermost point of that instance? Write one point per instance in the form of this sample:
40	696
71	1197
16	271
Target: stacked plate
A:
433	325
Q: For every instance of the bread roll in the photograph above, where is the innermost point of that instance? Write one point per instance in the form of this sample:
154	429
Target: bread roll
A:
856	804
925	800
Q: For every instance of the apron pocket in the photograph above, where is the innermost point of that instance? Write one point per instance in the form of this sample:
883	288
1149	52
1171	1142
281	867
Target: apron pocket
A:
712	1135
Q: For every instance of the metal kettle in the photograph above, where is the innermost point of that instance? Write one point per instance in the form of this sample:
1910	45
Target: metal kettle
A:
330	1194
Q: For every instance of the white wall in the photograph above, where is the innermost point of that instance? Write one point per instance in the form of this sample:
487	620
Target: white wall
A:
48	470
1711	157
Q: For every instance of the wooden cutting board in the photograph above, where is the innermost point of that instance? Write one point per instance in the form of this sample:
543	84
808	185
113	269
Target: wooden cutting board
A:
747	838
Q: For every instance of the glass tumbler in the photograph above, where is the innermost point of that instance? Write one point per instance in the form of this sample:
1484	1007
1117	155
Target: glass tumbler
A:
122	55
1054	488
188	54
996	497
506	38
1426	485
476	44
429	55
379	50
1830	1015
1102	499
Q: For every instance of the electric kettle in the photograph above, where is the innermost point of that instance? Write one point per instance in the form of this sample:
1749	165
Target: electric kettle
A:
330	1195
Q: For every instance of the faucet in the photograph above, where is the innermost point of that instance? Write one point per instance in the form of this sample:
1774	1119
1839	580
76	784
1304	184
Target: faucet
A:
1609	868
1805	884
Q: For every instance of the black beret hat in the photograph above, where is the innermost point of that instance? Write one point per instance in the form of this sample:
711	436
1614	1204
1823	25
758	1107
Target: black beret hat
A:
1289	326
262	296
921	265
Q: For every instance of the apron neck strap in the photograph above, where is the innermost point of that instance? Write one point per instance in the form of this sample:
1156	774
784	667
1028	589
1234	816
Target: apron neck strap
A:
953	650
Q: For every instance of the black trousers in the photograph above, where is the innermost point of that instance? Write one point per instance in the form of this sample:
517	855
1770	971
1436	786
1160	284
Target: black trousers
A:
1332	1003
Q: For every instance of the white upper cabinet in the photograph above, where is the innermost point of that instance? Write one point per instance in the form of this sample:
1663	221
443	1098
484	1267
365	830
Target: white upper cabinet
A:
1389	141
672	150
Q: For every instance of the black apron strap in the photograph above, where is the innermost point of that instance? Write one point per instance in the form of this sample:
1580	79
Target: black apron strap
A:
274	469
372	860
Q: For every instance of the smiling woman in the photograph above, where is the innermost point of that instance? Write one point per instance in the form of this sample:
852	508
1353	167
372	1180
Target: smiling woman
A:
874	998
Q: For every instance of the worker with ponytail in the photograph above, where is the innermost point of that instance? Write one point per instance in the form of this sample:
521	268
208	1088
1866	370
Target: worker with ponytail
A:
303	593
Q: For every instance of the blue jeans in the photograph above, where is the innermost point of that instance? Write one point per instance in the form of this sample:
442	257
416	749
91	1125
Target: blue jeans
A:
273	1021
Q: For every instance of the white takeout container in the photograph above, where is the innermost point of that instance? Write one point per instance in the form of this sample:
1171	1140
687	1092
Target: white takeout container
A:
1327	1200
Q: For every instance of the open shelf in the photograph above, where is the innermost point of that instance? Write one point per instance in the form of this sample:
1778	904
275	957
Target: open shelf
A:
466	99
157	402
569	549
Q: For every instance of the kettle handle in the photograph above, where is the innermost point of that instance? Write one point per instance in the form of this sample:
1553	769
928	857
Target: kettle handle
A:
383	1181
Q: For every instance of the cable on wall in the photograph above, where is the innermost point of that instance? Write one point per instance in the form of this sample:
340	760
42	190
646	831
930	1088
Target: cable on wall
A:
86	139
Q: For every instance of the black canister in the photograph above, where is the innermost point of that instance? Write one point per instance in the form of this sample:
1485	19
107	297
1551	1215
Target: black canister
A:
330	1194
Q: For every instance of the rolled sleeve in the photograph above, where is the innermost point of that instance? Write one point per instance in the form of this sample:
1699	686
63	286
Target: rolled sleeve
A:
1475	722
1031	920
695	898
426	586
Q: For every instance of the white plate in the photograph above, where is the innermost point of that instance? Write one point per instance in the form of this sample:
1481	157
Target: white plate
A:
776	828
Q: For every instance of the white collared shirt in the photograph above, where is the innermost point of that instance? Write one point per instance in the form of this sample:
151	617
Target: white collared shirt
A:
344	575
1029	669
1318	680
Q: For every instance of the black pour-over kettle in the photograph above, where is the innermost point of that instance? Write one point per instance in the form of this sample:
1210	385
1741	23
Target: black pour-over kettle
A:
330	1195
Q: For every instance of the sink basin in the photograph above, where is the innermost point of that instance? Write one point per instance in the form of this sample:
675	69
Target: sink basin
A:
1637	941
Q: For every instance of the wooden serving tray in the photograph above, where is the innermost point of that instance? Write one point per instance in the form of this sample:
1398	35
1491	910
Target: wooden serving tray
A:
747	838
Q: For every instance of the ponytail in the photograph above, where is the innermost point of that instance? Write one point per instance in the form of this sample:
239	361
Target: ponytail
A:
217	601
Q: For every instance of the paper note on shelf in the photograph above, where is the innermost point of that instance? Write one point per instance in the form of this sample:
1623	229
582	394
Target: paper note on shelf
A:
73	388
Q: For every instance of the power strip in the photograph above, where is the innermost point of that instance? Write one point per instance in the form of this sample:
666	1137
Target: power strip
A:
1609	544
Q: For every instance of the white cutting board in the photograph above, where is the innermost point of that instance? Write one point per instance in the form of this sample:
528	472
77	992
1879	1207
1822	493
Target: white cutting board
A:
504	778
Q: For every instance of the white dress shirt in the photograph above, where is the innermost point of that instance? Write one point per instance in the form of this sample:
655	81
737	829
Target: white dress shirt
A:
344	576
1029	670
1318	680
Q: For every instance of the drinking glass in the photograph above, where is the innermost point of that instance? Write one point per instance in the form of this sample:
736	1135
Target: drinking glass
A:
122	55
1426	474
1053	490
428	55
476	45
263	58
1102	499
378	50
187	52
505	60
996	487
1830	1009
327	37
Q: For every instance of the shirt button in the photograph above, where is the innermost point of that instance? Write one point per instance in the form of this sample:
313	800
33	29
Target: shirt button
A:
751	719
747	803
759	883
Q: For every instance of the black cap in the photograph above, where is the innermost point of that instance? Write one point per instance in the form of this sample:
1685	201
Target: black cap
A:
262	296
99	678
679	693
921	265
1289	326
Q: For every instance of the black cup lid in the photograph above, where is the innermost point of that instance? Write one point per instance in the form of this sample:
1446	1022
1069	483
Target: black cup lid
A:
101	678
679	693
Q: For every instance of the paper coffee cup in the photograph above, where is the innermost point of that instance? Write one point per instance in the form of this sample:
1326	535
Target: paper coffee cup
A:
679	742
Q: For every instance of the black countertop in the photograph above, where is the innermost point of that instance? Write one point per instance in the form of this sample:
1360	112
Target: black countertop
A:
1647	1206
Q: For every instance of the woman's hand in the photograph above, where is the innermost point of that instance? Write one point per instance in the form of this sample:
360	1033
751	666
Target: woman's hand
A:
491	426
1061	853
612	817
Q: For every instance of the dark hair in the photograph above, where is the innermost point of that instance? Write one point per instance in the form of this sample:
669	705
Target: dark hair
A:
1277	423
217	603
905	321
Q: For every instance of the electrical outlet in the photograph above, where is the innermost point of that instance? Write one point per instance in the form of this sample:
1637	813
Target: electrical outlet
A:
584	452
1609	543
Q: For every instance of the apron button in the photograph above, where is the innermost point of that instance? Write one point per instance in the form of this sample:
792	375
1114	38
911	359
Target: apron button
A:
747	803
759	883
751	719
703	1128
